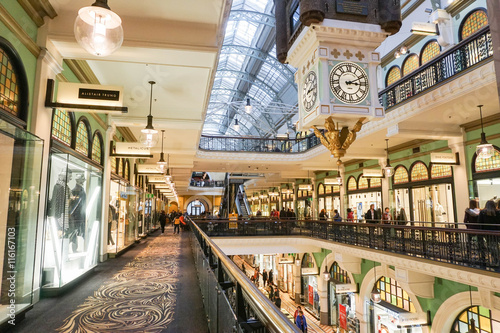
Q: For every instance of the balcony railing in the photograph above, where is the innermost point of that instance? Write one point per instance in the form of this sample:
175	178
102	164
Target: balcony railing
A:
257	145
455	61
477	248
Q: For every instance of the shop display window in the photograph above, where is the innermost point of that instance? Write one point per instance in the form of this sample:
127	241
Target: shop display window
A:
21	156
482	319
73	220
392	293
122	217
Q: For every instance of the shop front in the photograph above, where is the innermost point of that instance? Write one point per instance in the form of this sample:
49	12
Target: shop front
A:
329	199
363	193
486	177
287	199
342	300
304	200
285	280
309	280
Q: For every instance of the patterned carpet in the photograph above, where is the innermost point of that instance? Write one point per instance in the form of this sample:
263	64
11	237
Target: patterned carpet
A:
140	298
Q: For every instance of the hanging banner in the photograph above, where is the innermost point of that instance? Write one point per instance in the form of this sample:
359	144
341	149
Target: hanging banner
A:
311	294
156	179
148	168
342	316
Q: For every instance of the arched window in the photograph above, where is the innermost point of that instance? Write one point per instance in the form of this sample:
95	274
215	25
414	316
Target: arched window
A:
307	261
440	171
126	172
97	148
392	293
481	316
114	162
321	189
393	75
474	22
362	183
336	188
430	51
61	126
410	64
487	164
196	207
328	189
82	138
338	274
375	182
121	164
400	175
352	184
419	172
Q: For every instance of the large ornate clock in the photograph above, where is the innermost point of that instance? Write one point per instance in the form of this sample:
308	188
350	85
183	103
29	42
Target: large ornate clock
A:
309	91
349	82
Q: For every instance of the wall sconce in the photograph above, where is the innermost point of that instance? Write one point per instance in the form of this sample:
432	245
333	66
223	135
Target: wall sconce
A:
326	274
484	149
98	30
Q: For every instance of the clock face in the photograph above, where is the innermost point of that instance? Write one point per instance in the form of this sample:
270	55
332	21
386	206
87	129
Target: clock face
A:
310	91
349	82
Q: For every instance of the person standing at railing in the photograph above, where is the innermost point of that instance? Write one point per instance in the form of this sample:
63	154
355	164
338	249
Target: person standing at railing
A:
372	216
336	216
471	220
490	218
322	215
386	219
350	215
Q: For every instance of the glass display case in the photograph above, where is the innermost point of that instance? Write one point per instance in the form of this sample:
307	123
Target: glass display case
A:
122	217
21	155
73	220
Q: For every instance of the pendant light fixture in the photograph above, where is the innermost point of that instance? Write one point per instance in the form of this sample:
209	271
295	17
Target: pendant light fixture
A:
484	149
161	164
98	30
388	169
149	136
339	177
168	178
326	274
375	294
236	125
472	323
297	260
248	107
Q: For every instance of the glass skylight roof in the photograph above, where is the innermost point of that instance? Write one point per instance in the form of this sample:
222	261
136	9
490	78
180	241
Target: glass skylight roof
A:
248	68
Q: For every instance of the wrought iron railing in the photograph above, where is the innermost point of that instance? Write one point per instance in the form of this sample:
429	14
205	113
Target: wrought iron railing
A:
258	145
445	242
458	59
231	301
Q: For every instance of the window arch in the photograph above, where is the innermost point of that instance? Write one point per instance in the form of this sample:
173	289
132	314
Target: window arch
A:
419	172
392	293
61	126
487	164
375	182
126	172
440	171
338	274
308	261
97	147
13	82
321	189
400	175
393	75
82	137
430	51
481	316
410	64
473	22
362	183
352	185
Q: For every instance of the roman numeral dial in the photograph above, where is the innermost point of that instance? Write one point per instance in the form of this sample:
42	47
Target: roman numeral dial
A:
349	82
309	91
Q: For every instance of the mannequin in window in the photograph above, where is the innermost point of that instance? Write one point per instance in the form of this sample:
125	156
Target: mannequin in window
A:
60	198
112	216
440	213
77	214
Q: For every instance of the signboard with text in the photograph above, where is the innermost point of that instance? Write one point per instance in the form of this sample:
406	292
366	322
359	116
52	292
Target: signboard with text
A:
131	148
342	316
89	94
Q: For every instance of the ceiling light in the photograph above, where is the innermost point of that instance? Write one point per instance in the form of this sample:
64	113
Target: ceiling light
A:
236	125
297	260
484	149
388	169
397	54
149	136
375	294
98	30
403	50
248	107
162	165
326	274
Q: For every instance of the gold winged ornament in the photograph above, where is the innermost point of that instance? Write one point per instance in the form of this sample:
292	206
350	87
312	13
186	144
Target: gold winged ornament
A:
337	139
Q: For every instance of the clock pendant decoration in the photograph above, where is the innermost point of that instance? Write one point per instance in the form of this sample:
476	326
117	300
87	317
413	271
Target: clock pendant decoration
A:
310	91
349	82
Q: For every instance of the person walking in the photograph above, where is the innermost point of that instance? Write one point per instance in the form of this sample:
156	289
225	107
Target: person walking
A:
177	224
163	220
296	313
243	269
264	277
270	277
301	322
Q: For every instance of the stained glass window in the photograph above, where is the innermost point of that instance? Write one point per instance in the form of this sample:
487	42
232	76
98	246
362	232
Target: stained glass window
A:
328	189
400	175
307	261
338	274
362	183
114	161
393	75
419	172
61	126
96	148
488	164
430	51
336	188
121	165
392	293
411	63
481	316
9	89
351	184
376	182
126	173
440	171
321	189
82	139
473	23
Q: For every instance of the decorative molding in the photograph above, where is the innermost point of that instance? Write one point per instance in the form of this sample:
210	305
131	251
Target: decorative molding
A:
37	10
18	31
409	42
410	10
476	124
127	134
82	71
458	6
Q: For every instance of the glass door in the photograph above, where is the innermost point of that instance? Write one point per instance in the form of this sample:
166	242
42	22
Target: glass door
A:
422	205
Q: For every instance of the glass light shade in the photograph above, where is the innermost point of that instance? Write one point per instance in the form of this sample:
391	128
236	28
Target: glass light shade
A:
149	137
339	180
297	262
98	30
397	54
236	125
403	50
375	295
161	166
485	150
248	107
326	275
388	171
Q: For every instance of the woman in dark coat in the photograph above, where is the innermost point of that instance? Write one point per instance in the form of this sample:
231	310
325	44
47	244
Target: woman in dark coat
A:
489	219
163	220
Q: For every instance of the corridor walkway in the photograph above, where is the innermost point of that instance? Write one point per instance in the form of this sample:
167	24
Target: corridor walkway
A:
156	290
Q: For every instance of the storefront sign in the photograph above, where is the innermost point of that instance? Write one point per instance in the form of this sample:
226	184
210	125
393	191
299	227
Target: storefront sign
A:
156	179
444	158
342	316
345	288
311	294
89	94
148	168
131	148
410	318
286	261
310	271
233	217
233	225
372	173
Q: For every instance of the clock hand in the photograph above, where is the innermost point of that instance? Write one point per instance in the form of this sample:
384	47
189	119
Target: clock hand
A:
351	82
